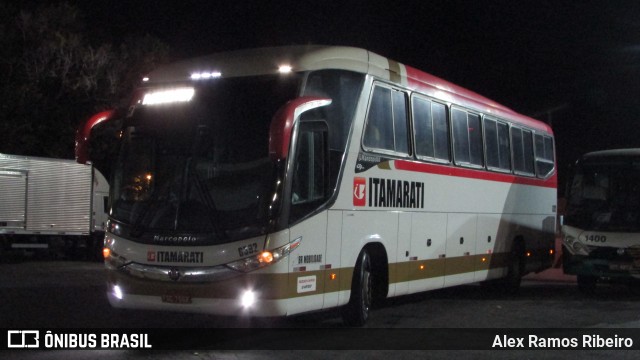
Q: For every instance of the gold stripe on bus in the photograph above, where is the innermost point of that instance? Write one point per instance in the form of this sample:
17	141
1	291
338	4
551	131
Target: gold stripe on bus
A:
416	270
394	71
385	165
430	268
284	286
459	265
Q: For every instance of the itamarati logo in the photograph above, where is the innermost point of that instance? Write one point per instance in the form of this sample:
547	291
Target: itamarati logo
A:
389	193
359	191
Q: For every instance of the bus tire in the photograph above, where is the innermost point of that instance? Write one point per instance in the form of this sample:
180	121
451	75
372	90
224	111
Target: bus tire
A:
634	286
356	312
587	283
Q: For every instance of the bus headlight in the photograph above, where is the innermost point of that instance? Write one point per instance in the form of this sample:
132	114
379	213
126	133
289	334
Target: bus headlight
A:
575	246
265	258
112	260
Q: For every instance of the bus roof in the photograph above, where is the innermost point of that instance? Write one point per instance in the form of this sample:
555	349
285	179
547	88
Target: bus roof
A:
263	61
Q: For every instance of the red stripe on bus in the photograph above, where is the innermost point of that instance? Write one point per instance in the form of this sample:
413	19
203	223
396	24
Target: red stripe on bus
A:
429	84
551	182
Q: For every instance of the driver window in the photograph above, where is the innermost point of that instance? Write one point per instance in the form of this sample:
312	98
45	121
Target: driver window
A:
309	188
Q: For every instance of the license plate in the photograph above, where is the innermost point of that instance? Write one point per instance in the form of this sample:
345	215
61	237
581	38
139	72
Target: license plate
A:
176	298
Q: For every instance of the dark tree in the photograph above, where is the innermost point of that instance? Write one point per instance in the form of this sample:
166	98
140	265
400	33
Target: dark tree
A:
52	77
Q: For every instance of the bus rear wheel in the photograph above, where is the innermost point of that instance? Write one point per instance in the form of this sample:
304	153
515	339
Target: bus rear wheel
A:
511	283
356	312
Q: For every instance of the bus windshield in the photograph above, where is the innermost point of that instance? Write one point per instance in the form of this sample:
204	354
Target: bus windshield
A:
605	195
202	166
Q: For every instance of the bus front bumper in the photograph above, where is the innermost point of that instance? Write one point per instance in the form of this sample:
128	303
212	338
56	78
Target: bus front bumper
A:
601	267
251	295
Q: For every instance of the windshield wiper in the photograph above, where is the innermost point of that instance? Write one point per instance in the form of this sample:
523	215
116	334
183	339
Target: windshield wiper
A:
138	229
200	186
209	202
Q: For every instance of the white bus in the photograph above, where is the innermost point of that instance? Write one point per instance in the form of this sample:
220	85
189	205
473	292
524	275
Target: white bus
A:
601	228
278	181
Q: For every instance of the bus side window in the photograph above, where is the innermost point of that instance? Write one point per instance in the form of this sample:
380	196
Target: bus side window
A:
467	138
386	127
544	155
441	131
497	145
423	124
431	129
522	145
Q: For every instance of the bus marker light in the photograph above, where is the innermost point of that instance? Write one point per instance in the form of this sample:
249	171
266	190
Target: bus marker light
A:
205	75
484	259
333	276
422	266
106	252
551	252
285	69
266	257
168	96
528	253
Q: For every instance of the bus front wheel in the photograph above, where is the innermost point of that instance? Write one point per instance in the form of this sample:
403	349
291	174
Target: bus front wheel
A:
356	312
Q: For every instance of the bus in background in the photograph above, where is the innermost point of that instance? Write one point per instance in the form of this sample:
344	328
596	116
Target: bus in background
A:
601	228
278	181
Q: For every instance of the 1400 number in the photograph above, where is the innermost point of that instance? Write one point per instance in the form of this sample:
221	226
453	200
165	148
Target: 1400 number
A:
596	238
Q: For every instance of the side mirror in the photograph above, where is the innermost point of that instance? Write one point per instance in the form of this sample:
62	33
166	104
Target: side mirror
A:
284	121
83	135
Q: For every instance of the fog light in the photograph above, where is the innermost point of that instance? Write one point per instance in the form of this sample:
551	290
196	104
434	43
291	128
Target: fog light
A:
117	292
248	298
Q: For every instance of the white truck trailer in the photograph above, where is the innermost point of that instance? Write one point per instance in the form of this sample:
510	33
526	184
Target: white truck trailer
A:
52	205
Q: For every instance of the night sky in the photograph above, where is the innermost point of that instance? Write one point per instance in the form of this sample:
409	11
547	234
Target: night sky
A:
575	64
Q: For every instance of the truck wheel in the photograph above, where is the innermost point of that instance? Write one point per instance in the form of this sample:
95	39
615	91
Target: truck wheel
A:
356	312
587	283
